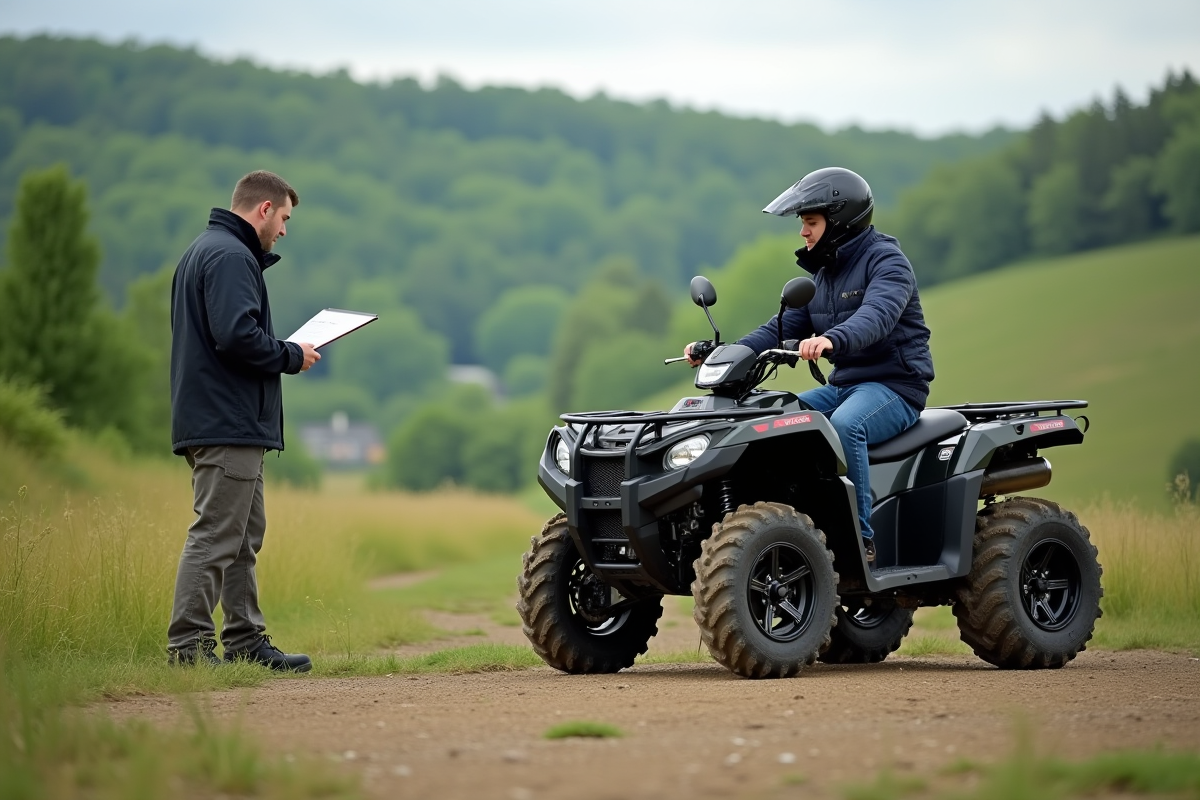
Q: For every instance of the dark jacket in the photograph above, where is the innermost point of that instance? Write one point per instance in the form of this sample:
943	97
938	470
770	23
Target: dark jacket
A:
867	305
225	359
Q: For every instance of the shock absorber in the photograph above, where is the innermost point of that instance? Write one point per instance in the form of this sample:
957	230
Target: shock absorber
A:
725	497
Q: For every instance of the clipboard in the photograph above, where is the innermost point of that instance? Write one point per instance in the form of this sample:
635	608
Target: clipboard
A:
329	325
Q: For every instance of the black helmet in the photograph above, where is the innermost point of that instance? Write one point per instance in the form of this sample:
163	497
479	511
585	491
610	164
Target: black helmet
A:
841	196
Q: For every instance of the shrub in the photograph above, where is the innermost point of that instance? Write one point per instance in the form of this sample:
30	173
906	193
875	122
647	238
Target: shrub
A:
26	422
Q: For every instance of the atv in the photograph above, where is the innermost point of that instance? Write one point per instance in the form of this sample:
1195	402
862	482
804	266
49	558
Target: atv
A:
739	497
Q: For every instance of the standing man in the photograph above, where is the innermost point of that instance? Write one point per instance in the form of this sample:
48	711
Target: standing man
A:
866	318
226	412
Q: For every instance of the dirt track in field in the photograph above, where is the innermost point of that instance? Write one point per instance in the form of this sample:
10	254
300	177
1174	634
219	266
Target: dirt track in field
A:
693	730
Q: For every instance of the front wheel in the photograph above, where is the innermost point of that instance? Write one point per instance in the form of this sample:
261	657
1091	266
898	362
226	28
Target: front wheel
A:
1032	597
765	591
568	614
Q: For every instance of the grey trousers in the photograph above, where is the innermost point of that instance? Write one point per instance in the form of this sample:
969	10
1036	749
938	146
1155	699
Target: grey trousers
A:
221	550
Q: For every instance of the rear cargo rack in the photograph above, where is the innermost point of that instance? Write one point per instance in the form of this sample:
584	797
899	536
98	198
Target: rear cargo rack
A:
982	412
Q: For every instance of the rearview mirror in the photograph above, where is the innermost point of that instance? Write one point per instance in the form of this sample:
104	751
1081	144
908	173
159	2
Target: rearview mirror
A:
797	293
704	294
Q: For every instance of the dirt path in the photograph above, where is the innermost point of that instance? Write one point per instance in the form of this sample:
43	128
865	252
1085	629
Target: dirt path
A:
693	730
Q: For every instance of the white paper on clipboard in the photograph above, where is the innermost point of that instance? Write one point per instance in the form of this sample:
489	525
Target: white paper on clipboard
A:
329	324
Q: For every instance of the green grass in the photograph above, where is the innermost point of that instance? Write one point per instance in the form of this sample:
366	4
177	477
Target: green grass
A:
482	587
53	750
932	646
486	657
697	655
934	632
1116	327
1025	775
583	729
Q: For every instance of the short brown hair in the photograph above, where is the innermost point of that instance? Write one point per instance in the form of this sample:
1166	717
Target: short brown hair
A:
259	186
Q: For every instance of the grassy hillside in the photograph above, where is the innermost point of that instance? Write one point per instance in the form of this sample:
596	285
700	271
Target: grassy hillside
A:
1116	327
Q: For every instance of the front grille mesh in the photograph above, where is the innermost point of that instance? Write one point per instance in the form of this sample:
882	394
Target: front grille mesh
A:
602	476
605	524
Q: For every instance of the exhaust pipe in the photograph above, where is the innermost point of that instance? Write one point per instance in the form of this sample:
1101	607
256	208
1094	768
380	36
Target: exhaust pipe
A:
1015	476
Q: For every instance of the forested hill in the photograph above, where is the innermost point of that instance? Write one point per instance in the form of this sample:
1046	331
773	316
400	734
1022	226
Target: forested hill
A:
437	199
1106	174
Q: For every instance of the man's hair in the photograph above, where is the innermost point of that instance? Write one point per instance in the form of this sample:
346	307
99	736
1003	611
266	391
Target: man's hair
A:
260	186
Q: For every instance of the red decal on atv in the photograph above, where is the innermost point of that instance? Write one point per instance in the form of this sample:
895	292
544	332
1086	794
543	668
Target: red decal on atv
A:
761	428
800	420
1038	427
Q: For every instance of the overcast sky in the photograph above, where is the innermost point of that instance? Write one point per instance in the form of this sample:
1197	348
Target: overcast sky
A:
923	65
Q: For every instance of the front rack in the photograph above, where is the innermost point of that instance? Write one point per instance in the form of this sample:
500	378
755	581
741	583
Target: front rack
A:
648	421
982	412
643	417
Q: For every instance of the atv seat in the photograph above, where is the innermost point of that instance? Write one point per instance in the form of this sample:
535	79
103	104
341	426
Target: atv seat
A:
933	424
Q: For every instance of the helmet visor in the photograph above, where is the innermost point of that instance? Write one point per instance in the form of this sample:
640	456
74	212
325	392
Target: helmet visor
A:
797	200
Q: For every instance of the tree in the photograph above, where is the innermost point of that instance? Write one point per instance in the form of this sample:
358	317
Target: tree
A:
625	370
521	322
53	331
394	354
1130	205
1059	215
1177	176
148	314
426	450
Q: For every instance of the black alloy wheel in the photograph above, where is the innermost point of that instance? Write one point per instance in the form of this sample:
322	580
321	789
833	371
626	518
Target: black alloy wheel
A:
567	611
868	630
1032	597
867	617
589	600
765	591
780	591
1050	585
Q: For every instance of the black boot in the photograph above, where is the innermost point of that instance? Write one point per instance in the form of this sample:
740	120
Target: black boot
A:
201	651
869	546
267	654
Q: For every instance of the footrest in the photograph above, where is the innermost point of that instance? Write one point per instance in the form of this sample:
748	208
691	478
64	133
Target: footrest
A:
893	577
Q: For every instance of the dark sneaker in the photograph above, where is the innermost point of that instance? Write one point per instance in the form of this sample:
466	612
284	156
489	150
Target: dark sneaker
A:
869	546
267	654
202	651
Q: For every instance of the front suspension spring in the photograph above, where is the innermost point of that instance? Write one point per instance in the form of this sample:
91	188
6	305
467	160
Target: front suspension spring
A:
725	497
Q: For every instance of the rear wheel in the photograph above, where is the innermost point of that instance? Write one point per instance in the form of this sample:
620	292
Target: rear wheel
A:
1033	595
568	613
866	634
765	591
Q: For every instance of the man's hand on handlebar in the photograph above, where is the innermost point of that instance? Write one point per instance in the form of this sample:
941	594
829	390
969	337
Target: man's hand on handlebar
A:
696	352
811	349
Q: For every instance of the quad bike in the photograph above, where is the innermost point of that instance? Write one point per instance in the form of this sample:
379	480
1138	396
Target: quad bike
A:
739	497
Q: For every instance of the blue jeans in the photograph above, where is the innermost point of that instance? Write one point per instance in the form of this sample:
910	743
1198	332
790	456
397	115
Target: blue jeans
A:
867	413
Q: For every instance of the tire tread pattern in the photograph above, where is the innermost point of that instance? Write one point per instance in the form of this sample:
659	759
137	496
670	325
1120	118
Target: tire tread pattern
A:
844	650
558	641
985	612
715	591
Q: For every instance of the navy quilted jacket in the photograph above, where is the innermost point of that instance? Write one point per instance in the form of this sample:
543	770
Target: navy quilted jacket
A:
867	305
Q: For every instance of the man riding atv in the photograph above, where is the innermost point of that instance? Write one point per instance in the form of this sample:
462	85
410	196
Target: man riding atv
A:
865	318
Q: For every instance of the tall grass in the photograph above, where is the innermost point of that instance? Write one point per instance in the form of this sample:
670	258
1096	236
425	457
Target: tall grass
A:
1151	575
88	574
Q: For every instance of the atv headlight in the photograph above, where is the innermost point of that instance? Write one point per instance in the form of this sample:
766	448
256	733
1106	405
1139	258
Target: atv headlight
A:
685	452
562	457
712	374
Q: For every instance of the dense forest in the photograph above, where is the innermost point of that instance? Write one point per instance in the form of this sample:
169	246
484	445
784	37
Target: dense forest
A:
1107	174
442	198
545	237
